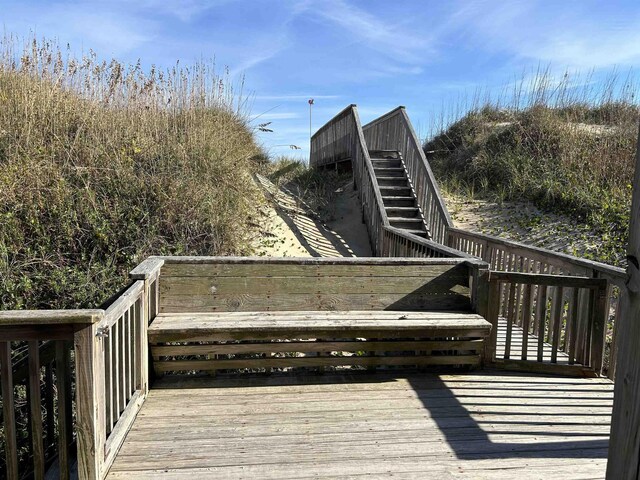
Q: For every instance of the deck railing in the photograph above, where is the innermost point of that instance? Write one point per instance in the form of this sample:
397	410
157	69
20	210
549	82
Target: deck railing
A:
509	256
108	373
346	133
555	321
394	131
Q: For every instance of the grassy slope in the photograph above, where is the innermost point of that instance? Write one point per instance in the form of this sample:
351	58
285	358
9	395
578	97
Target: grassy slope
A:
576	160
102	165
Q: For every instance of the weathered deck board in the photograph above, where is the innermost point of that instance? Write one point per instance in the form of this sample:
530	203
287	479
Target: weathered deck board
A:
485	425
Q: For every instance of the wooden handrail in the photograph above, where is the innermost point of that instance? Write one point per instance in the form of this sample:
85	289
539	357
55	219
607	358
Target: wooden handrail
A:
111	378
328	144
511	256
565	313
485	244
393	131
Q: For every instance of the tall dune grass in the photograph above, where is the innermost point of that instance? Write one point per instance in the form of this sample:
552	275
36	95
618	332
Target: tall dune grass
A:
102	164
567	144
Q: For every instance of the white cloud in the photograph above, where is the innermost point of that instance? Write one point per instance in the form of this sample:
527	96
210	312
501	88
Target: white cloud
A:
295	97
571	37
276	116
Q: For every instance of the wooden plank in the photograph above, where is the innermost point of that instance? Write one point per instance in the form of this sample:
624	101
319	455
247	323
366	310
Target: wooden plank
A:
540	367
90	413
512	310
303	347
122	304
122	427
573	320
63	387
266	302
149	268
217	327
526	318
550	280
382	423
121	372
49	317
556	322
11	333
110	400
273	362
404	268
579	266
454	280
8	411
35	411
541	319
600	320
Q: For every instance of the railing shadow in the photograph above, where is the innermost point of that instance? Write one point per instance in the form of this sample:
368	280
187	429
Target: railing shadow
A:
533	413
314	235
487	416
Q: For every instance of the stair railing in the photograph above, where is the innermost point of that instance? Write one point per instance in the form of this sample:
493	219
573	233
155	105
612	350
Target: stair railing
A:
109	372
393	131
342	138
504	255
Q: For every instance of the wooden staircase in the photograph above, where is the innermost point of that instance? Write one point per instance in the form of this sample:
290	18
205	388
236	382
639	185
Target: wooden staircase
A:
397	194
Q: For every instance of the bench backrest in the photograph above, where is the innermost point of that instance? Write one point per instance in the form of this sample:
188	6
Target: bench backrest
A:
209	284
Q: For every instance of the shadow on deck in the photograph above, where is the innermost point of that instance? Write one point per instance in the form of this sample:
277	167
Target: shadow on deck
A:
486	425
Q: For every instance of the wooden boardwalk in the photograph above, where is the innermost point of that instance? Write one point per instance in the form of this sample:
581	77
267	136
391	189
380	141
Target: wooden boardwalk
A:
493	425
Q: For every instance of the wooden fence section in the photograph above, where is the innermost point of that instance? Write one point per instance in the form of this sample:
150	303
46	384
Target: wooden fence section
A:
334	142
509	256
394	131
108	375
550	319
342	138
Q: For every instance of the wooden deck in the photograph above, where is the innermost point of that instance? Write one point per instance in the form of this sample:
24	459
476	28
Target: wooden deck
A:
485	425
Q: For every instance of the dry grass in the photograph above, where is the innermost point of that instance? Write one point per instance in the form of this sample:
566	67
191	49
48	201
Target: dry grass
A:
105	163
568	145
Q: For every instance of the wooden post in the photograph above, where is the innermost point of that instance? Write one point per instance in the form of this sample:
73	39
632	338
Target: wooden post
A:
91	419
624	446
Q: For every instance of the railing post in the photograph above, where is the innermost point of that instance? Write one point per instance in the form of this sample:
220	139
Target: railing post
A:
599	322
149	272
492	309
90	413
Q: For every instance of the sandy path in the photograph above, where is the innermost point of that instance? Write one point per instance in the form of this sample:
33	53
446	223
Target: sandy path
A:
290	228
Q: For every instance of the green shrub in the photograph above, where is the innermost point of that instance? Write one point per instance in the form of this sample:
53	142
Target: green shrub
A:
565	154
103	164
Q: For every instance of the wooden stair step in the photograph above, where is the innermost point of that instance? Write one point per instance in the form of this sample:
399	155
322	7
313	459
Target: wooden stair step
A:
419	233
392	182
384	154
404	212
386	163
406	220
398	201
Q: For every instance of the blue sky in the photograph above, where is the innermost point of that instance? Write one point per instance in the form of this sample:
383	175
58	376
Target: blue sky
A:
426	55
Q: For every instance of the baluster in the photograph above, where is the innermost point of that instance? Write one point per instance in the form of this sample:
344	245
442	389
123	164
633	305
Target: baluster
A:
8	410
556	322
541	317
35	410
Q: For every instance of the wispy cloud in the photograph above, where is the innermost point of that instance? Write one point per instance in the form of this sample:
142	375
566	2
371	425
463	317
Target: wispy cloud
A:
295	97
398	47
571	37
184	10
276	116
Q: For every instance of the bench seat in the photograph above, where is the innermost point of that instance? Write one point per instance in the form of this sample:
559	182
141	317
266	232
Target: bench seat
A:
315	338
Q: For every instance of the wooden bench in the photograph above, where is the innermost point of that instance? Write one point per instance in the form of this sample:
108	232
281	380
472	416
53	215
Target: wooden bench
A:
246	313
